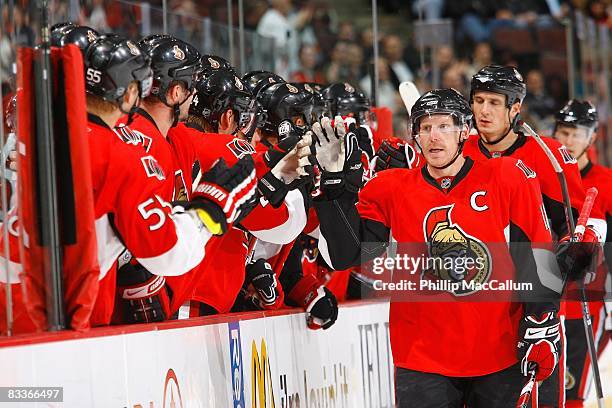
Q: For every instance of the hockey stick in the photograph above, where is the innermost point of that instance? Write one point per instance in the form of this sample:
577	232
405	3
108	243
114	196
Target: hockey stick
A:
521	126
409	94
523	400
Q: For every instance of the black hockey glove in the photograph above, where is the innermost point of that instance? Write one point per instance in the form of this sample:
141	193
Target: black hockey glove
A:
319	302
365	139
143	295
224	195
574	258
538	346
394	155
262	277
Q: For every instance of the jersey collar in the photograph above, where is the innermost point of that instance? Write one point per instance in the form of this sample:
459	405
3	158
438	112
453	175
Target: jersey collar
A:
148	117
519	142
586	170
460	176
97	120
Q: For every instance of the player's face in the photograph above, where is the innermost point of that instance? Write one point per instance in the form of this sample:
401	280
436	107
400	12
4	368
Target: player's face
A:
490	113
187	96
576	139
439	136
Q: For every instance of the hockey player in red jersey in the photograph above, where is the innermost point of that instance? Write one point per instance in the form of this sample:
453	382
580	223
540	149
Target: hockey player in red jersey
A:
496	96
576	129
221	122
133	207
461	353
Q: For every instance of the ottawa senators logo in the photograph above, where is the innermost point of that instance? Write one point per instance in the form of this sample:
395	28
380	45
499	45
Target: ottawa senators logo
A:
308	88
238	83
567	156
178	53
91	36
292	88
214	63
349	88
133	49
240	148
457	256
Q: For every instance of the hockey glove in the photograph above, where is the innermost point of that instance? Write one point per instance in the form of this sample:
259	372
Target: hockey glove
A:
574	258
261	276
330	148
143	295
538	344
350	178
224	194
290	161
364	138
319	303
393	155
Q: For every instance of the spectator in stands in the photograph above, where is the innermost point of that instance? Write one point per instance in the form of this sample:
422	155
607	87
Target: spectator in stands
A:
481	57
444	58
253	11
97	17
455	77
189	25
345	66
308	66
478	18
393	51
346	31
431	10
388	94
541	104
24	33
366	38
277	23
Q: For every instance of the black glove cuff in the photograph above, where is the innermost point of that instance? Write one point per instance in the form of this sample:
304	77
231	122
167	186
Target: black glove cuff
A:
272	189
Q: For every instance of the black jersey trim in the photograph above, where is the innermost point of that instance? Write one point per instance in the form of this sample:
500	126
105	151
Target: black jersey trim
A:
519	142
148	117
467	166
586	170
97	120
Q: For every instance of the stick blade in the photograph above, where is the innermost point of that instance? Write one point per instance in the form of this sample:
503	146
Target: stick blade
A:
409	94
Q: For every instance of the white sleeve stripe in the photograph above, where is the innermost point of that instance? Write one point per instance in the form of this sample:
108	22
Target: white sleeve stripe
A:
290	229
548	269
187	252
109	245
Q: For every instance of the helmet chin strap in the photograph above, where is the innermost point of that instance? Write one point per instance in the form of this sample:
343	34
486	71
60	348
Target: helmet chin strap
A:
510	122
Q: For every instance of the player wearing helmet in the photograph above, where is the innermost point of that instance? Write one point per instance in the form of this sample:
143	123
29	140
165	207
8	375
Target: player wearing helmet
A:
496	96
576	128
436	205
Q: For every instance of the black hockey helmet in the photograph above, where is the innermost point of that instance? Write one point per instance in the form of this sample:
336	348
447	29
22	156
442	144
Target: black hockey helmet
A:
150	41
212	62
578	113
219	90
69	33
345	100
320	106
257	80
112	62
499	79
282	104
440	101
171	60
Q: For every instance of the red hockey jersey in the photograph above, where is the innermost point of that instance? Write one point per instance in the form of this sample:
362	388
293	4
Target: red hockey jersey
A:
527	150
486	203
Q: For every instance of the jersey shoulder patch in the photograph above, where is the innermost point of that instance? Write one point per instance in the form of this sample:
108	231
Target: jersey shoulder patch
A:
525	169
152	167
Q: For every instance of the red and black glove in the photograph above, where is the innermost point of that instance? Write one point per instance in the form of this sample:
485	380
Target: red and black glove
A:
143	295
319	302
394	155
225	194
574	258
538	345
266	295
